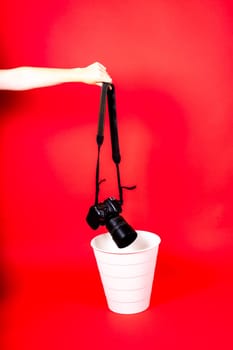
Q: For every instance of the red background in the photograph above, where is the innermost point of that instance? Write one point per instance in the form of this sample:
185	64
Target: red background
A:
171	62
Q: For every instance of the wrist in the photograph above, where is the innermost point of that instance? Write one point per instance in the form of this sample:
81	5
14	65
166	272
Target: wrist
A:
75	75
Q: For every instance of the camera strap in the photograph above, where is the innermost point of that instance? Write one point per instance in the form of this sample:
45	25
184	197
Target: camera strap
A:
108	93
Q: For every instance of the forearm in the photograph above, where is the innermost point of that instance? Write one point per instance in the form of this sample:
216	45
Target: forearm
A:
25	78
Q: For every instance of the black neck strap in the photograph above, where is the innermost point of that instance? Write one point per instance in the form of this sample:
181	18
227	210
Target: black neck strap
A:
108	93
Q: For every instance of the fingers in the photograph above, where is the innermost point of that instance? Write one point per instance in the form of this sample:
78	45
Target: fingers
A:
101	68
103	74
100	65
96	73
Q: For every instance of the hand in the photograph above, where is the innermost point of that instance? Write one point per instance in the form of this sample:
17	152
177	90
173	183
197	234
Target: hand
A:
94	74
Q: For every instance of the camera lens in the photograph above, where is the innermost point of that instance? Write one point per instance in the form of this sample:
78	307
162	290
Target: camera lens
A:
122	233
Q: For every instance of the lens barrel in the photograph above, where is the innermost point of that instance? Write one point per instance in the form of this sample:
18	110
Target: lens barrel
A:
122	233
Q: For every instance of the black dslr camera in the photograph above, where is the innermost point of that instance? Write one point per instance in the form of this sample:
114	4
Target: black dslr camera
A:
107	213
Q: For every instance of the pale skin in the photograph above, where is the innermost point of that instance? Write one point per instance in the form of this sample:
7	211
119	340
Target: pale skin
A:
27	78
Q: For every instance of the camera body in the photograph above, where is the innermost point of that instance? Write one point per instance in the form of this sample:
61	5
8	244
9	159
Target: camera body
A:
107	214
100	214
